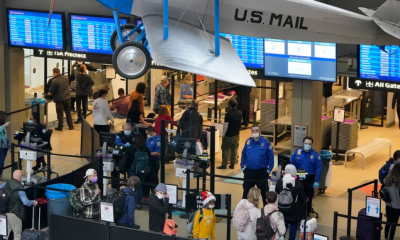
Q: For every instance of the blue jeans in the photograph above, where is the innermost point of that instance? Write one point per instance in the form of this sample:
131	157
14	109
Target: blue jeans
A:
293	229
139	190
3	155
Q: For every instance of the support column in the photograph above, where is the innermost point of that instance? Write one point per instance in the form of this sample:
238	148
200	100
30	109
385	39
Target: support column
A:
2	42
307	109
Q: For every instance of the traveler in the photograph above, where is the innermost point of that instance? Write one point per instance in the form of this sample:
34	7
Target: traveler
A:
308	159
191	121
392	182
138	95
125	137
291	185
18	201
257	162
128	219
84	85
163	114
187	89
90	196
158	208
162	96
251	206
153	143
135	116
205	228
72	86
59	89
120	105
34	118
4	142
74	75
101	113
396	99
230	142
385	169
137	148
276	220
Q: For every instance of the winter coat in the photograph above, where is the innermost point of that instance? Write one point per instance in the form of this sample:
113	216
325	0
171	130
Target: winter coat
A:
299	192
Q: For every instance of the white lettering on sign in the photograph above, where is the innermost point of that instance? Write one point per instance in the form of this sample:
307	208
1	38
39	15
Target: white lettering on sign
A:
252	72
155	64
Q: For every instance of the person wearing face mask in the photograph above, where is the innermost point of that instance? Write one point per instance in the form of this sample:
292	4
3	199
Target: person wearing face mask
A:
101	113
205	228
128	219
90	196
153	143
158	208
308	159
291	182
161	96
190	122
257	162
251	204
34	118
275	217
187	89
125	137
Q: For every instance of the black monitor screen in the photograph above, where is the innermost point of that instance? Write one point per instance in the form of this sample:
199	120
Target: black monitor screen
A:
109	138
32	128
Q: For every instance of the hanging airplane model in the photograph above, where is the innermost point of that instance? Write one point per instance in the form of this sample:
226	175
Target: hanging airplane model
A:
185	34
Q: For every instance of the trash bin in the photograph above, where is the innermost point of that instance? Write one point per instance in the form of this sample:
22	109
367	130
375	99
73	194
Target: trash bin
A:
325	163
57	201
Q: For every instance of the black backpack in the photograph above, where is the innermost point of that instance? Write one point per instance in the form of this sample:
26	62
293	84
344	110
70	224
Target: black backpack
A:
384	195
5	197
118	201
264	229
141	163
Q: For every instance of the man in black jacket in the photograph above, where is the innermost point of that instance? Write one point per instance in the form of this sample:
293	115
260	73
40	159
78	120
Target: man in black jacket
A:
158	208
396	99
84	84
190	122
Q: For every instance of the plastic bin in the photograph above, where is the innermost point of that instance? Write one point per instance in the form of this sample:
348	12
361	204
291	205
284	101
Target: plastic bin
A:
325	160
58	202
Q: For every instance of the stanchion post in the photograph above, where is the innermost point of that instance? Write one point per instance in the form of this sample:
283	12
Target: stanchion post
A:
100	174
198	184
19	162
228	215
162	151
335	222
212	160
13	167
349	212
372	232
48	165
336	162
375	193
38	111
187	187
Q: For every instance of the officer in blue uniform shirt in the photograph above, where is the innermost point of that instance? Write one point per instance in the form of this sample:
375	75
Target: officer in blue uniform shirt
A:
257	162
153	143
308	159
124	138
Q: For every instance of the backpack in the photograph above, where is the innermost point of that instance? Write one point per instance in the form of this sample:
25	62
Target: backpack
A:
384	171
75	200
118	201
141	163
5	197
287	201
384	195
190	222
241	217
264	229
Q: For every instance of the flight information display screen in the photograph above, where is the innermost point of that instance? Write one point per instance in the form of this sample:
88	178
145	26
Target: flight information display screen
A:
249	49
301	60
29	29
380	65
92	34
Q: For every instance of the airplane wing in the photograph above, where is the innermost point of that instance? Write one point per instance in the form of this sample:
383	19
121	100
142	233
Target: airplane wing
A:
189	49
388	27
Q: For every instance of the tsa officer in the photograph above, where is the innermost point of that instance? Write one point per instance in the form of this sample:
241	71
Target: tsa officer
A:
125	138
257	162
308	159
153	143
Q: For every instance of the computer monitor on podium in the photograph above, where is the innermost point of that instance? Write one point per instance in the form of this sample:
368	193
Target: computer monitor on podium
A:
31	128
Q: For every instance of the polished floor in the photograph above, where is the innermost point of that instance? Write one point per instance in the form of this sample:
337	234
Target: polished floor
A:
335	197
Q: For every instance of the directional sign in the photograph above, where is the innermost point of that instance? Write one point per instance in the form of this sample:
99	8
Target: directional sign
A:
373	207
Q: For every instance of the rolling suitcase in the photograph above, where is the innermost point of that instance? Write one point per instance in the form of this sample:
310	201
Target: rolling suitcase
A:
32	234
363	231
308	227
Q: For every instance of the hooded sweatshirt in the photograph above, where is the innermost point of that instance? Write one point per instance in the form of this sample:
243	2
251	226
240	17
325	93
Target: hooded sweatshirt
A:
158	208
250	232
276	219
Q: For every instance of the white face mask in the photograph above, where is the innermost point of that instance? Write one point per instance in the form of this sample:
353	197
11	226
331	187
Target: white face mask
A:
160	196
211	206
255	135
148	136
259	198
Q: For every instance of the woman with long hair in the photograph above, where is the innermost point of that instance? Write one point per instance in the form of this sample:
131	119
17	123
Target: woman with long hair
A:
187	88
138	94
4	142
392	183
135	115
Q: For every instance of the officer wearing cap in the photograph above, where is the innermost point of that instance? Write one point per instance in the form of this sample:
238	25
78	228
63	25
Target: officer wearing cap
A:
153	143
124	138
308	159
257	162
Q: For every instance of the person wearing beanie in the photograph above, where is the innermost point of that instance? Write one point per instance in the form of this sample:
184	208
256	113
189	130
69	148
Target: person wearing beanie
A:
205	228
90	196
158	208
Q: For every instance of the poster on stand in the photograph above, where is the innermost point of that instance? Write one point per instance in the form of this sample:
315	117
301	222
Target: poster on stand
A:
338	114
107	212
300	132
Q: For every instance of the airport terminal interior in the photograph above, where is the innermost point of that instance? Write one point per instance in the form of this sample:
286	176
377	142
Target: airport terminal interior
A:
340	89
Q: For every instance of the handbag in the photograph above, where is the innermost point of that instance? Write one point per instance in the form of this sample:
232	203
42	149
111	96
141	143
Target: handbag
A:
384	194
170	227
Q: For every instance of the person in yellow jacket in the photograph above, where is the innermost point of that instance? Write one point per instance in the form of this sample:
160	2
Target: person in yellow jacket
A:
202	230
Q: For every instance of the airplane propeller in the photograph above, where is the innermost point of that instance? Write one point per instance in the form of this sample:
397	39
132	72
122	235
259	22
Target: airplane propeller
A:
52	2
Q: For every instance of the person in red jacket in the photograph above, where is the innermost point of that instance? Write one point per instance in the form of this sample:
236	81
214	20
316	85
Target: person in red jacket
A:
163	114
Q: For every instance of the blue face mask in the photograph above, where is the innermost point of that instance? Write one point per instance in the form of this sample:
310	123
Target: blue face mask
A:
30	121
307	147
127	132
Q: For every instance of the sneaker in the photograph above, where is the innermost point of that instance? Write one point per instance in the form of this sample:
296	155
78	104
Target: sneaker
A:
71	128
58	129
232	166
78	121
44	165
35	168
221	167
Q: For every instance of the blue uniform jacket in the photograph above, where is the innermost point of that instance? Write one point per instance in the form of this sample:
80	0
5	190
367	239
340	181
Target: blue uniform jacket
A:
185	90
154	144
257	155
130	206
309	161
119	141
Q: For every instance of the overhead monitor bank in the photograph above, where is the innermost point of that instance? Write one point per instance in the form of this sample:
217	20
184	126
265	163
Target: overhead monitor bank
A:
27	28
